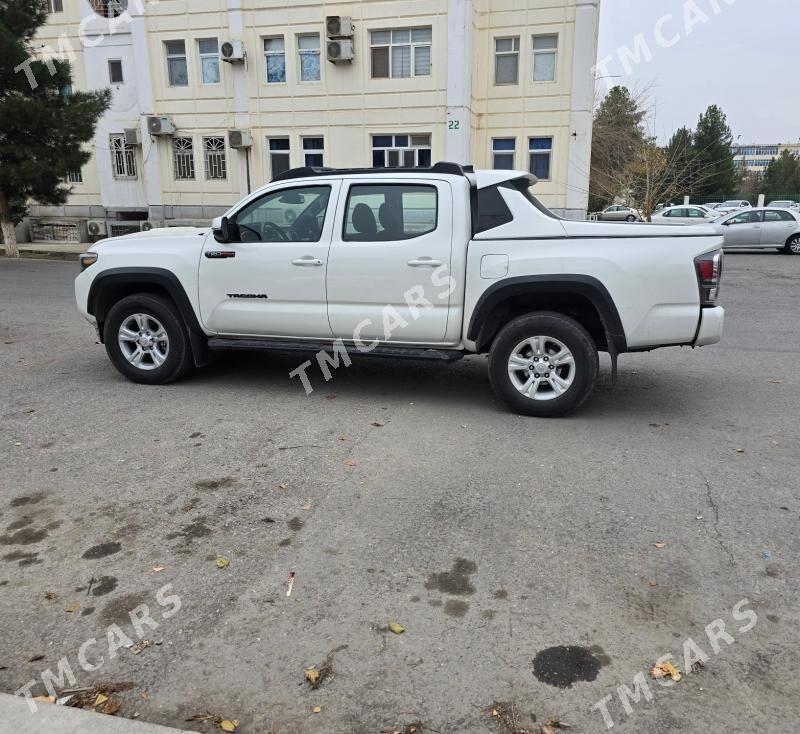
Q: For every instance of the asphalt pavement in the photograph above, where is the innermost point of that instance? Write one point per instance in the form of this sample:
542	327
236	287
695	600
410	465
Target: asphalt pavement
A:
536	566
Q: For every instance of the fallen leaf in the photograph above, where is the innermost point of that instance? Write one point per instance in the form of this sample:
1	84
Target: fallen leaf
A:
660	545
317	709
665	670
343	438
140	646
398	629
776	382
158	568
229	725
654	583
44	699
50	595
739	451
281	486
547	729
351	462
312	676
101	698
222	562
72	608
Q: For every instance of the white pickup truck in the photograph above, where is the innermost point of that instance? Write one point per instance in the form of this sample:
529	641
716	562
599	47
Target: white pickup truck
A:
433	263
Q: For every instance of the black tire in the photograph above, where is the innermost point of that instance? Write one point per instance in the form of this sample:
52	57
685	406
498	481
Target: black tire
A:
178	360
630	218
793	245
545	324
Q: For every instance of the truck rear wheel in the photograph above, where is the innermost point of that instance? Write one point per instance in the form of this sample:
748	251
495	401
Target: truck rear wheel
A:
543	364
146	339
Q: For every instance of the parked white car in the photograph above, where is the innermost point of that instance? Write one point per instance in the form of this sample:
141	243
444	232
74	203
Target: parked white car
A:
689	214
762	228
728	207
783	204
434	263
620	213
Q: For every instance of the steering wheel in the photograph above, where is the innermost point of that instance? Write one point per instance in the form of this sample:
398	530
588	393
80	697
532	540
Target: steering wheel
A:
273	229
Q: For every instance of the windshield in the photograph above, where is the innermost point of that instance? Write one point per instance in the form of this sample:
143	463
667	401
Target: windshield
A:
732	203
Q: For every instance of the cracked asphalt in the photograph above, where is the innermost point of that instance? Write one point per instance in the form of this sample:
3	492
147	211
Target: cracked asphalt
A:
404	492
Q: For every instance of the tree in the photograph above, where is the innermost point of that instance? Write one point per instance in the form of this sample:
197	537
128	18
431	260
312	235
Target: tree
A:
783	174
681	152
43	126
617	133
712	143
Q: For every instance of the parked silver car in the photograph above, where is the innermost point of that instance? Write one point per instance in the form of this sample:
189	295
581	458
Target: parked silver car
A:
728	207
619	213
689	214
762	228
783	204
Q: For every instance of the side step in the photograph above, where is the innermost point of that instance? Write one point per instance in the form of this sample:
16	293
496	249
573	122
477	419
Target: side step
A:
274	345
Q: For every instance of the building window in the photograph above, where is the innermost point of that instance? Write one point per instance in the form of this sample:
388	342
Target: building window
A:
209	60
545	51
177	70
123	158
215	157
401	53
106	8
275	54
55	6
401	151
503	153
314	152
75	176
183	158
308	48
506	60
279	155
540	152
115	71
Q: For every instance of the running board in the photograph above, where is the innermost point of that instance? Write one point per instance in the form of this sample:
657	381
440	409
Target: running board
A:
273	345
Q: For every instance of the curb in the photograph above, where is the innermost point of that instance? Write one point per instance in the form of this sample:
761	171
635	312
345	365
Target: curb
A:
15	716
43	255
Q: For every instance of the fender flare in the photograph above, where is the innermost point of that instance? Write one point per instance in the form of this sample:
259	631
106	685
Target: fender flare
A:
161	277
570	284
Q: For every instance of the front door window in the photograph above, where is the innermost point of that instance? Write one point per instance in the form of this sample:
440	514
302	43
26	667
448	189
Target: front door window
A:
289	215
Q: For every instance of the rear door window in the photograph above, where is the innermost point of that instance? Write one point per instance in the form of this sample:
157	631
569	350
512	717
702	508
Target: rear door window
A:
390	212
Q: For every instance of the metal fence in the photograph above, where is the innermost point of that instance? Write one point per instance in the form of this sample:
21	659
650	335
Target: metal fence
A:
55	231
752	198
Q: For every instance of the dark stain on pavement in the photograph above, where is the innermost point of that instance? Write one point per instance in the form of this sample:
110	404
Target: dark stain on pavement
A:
30	499
295	524
117	610
488	614
102	550
104	585
455	581
285	542
501	594
25	536
21	523
456	608
209	484
24	559
195	529
567	664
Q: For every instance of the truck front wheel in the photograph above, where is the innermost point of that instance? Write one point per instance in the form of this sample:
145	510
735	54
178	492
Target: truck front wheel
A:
146	339
543	364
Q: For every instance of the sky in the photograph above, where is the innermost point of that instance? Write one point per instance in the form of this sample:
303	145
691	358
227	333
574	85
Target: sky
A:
743	55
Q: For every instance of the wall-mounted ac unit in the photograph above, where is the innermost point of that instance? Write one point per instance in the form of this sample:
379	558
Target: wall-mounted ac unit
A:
340	51
146	226
96	228
132	136
232	51
160	125
339	26
240	139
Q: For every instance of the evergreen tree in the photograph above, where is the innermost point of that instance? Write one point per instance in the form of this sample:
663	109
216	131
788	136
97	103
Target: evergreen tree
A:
783	174
712	142
43	126
682	157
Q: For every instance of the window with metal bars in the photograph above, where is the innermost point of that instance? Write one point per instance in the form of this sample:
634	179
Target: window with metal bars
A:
123	157
75	176
215	158
106	8
183	158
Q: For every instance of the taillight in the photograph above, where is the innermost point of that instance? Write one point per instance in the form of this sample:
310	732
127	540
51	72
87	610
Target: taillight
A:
709	275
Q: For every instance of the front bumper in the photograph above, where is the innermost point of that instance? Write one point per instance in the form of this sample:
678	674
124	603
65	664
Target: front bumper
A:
712	322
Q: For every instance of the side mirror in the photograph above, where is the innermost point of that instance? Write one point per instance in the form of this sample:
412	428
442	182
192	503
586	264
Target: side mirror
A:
222	229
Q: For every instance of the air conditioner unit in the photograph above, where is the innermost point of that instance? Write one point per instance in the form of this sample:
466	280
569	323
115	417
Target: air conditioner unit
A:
146	226
132	136
160	126
340	51
96	228
232	51
340	26
240	139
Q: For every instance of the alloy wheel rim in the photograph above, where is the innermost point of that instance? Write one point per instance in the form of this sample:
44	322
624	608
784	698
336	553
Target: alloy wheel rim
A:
541	368
794	245
143	341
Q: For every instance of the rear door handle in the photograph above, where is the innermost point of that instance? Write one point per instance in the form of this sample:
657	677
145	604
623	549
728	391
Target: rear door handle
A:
307	261
424	262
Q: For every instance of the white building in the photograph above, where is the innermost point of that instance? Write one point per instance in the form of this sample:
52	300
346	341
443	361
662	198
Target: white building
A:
494	83
756	158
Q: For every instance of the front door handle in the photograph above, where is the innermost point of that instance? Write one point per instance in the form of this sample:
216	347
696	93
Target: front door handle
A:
307	261
424	262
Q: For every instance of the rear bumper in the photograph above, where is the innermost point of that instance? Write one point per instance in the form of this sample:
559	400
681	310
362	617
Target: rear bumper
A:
712	322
